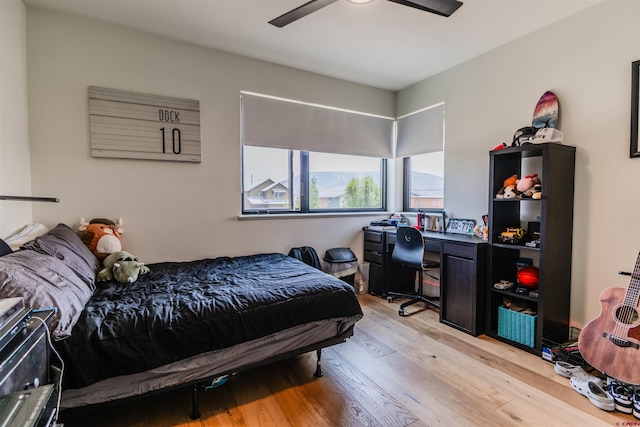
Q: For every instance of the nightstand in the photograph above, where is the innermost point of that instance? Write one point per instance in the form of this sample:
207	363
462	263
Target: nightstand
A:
27	395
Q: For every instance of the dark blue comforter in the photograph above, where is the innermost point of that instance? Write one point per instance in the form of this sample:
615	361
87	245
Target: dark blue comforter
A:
182	309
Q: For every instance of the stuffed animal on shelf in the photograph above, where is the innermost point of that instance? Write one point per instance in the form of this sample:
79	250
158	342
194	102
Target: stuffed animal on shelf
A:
534	192
123	267
530	187
509	189
102	236
524	184
508	192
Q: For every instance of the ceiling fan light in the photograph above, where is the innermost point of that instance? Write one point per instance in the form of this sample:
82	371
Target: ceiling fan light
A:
359	1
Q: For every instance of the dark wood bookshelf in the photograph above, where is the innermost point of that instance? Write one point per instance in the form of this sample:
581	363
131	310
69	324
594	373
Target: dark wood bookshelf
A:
555	166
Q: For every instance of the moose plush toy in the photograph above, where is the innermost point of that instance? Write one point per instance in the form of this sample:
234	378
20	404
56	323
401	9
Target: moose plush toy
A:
102	236
123	267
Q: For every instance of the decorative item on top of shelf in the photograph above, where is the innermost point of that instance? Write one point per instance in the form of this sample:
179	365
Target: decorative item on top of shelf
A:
512	235
543	126
548	135
523	136
546	112
461	226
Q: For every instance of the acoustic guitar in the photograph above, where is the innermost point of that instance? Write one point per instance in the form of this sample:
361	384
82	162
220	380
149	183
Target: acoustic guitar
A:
611	342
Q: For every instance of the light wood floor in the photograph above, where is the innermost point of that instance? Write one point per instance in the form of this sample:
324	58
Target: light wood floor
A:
395	371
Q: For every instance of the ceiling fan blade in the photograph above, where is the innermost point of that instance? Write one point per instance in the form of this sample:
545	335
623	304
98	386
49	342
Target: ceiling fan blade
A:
439	7
300	12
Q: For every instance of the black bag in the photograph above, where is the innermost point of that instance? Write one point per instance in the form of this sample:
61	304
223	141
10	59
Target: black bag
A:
306	254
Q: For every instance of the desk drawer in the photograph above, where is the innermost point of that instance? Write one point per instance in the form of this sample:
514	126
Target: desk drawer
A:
457	249
373	236
375	257
391	238
432	245
373	247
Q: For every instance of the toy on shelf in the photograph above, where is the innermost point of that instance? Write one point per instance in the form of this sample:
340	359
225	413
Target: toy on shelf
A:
509	188
528	187
512	235
528	276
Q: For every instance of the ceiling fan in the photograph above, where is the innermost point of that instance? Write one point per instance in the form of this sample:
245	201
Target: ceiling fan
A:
439	7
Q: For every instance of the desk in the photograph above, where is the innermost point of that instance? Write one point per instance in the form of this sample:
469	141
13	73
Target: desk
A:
462	274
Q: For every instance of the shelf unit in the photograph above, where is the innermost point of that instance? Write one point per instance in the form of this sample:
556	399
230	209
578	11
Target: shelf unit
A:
555	166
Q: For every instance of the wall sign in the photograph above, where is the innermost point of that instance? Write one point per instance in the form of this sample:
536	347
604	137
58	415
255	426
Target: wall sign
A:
139	126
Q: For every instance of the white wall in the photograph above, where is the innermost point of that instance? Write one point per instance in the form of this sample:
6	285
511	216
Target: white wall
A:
586	60
171	211
177	211
15	178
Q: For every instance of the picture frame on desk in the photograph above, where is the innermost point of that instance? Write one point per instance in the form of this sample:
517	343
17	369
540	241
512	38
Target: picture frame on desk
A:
432	220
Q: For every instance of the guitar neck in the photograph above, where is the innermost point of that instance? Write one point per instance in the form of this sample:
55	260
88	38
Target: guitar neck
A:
633	290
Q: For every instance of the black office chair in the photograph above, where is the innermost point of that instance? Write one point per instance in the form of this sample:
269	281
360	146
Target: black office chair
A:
409	252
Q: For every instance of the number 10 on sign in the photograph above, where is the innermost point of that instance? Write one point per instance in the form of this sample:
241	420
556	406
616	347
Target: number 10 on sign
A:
176	142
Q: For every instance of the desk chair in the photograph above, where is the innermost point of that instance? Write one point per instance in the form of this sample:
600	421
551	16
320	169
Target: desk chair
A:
409	252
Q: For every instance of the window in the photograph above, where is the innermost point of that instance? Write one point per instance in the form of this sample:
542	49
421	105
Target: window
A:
267	183
303	158
273	184
424	181
421	145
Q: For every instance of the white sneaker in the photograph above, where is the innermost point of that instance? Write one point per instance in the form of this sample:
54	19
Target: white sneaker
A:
568	370
622	396
598	396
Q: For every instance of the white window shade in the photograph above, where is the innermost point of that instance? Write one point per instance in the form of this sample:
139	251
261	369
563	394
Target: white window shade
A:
421	132
278	123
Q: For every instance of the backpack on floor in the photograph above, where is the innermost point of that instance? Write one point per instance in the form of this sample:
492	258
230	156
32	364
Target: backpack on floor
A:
306	254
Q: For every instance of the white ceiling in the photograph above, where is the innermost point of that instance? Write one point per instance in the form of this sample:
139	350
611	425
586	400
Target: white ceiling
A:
381	44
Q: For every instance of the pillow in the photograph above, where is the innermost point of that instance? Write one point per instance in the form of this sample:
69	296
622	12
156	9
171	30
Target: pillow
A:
64	244
44	282
4	248
25	234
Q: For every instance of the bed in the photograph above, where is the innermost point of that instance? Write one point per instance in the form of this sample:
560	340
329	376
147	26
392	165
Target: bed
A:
182	324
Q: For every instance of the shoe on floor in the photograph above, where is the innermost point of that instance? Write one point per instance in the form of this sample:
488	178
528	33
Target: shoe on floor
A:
636	404
622	396
598	396
568	370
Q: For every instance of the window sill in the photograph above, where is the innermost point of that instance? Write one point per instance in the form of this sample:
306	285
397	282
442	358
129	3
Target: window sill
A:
312	215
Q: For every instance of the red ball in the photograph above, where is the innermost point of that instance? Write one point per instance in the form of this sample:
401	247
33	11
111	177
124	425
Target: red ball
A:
528	276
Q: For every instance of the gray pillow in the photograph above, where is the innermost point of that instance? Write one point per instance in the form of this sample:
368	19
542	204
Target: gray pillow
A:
63	243
44	281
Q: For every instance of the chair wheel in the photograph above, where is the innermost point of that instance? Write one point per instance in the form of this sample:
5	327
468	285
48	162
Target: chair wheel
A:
401	312
389	299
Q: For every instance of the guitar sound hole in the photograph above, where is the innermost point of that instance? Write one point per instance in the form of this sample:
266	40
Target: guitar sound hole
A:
626	315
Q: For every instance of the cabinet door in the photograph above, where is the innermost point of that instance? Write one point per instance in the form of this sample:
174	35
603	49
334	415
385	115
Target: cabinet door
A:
459	293
376	280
